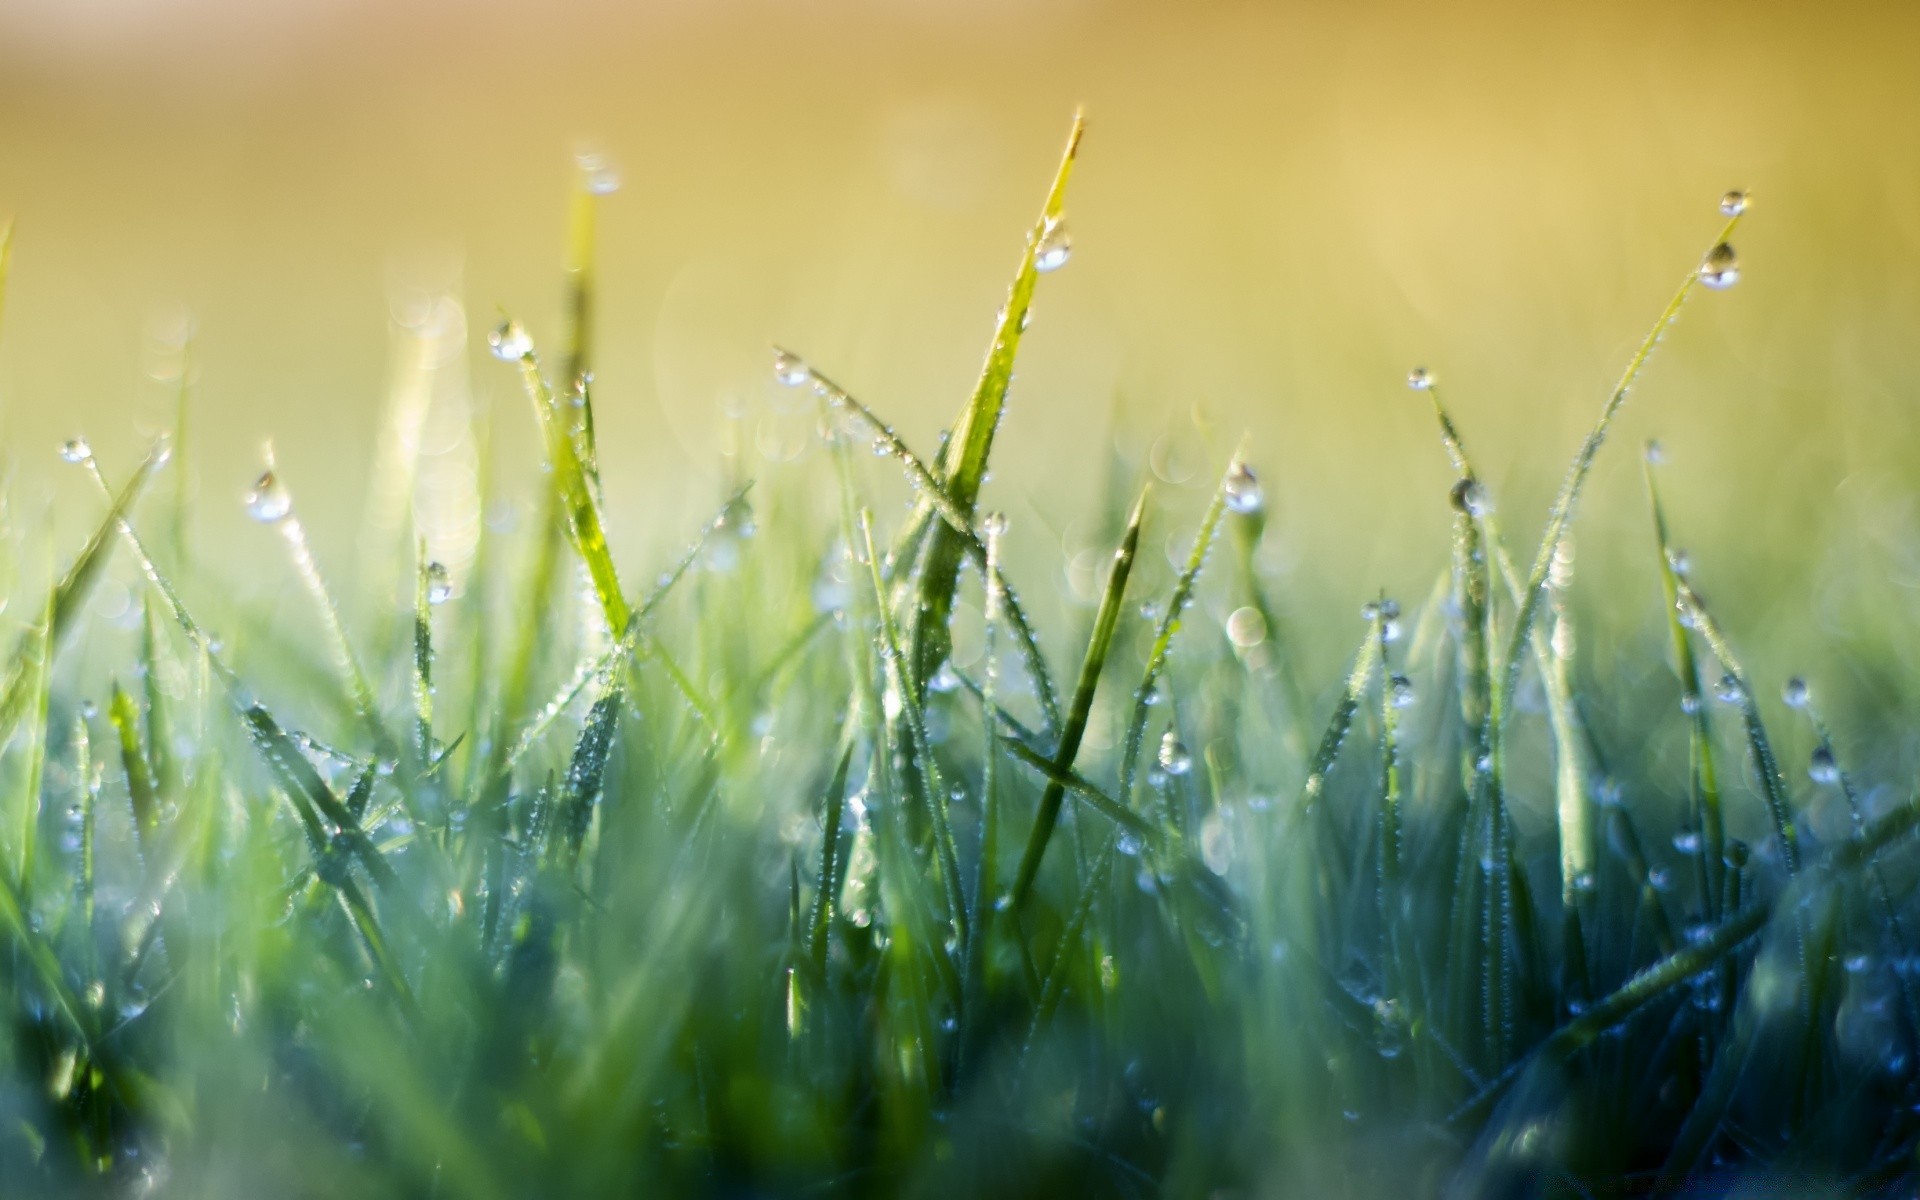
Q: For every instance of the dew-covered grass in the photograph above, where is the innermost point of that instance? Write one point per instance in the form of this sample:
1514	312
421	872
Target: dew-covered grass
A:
815	861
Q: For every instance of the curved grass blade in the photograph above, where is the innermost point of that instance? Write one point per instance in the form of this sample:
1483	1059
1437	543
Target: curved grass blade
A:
1106	620
63	603
1561	514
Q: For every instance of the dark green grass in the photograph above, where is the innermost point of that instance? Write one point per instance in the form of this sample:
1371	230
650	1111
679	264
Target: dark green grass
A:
778	877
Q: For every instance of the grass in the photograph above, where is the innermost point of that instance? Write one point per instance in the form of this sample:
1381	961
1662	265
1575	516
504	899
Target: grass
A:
765	880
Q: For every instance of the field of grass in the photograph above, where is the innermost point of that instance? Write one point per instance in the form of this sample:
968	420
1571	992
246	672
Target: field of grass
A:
813	862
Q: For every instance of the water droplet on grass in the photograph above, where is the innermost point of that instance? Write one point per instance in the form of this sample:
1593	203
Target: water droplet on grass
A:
1730	690
268	500
76	450
439	583
1795	693
1420	380
1821	768
994	524
1246	627
510	342
1721	269
1470	498
1400	692
1174	758
1050	253
788	369
1734	203
601	177
1242	490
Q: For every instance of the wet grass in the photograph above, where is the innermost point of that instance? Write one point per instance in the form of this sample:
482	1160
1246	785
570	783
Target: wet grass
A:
792	874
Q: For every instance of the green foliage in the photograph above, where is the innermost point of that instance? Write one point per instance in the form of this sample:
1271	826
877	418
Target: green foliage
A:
796	902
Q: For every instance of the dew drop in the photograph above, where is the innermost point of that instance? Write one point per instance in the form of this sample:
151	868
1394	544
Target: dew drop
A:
1821	768
788	368
994	524
1687	841
1174	758
1795	693
1400	692
269	501
510	341
600	176
1050	253
1730	690
1242	490
76	450
1470	498
1734	203
943	680
1420	379
1656	454
1246	627
1721	269
439	583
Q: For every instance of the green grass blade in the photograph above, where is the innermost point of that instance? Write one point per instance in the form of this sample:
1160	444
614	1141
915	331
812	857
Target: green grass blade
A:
926	778
423	600
958	521
321	813
830	865
1106	620
1773	786
1170	619
964	465
587	771
125	716
1704	773
1560	516
579	500
63	604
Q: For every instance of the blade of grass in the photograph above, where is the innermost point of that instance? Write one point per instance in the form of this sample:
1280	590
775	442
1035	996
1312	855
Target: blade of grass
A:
1773	786
1561	514
125	716
926	779
587	771
1177	602
1106	620
964	465
1676	969
64	602
958	521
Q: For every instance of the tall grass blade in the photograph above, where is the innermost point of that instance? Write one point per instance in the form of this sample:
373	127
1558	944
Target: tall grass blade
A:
1105	621
1560	516
964	464
63	603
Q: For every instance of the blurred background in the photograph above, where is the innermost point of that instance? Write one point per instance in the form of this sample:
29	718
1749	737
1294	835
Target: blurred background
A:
1279	209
